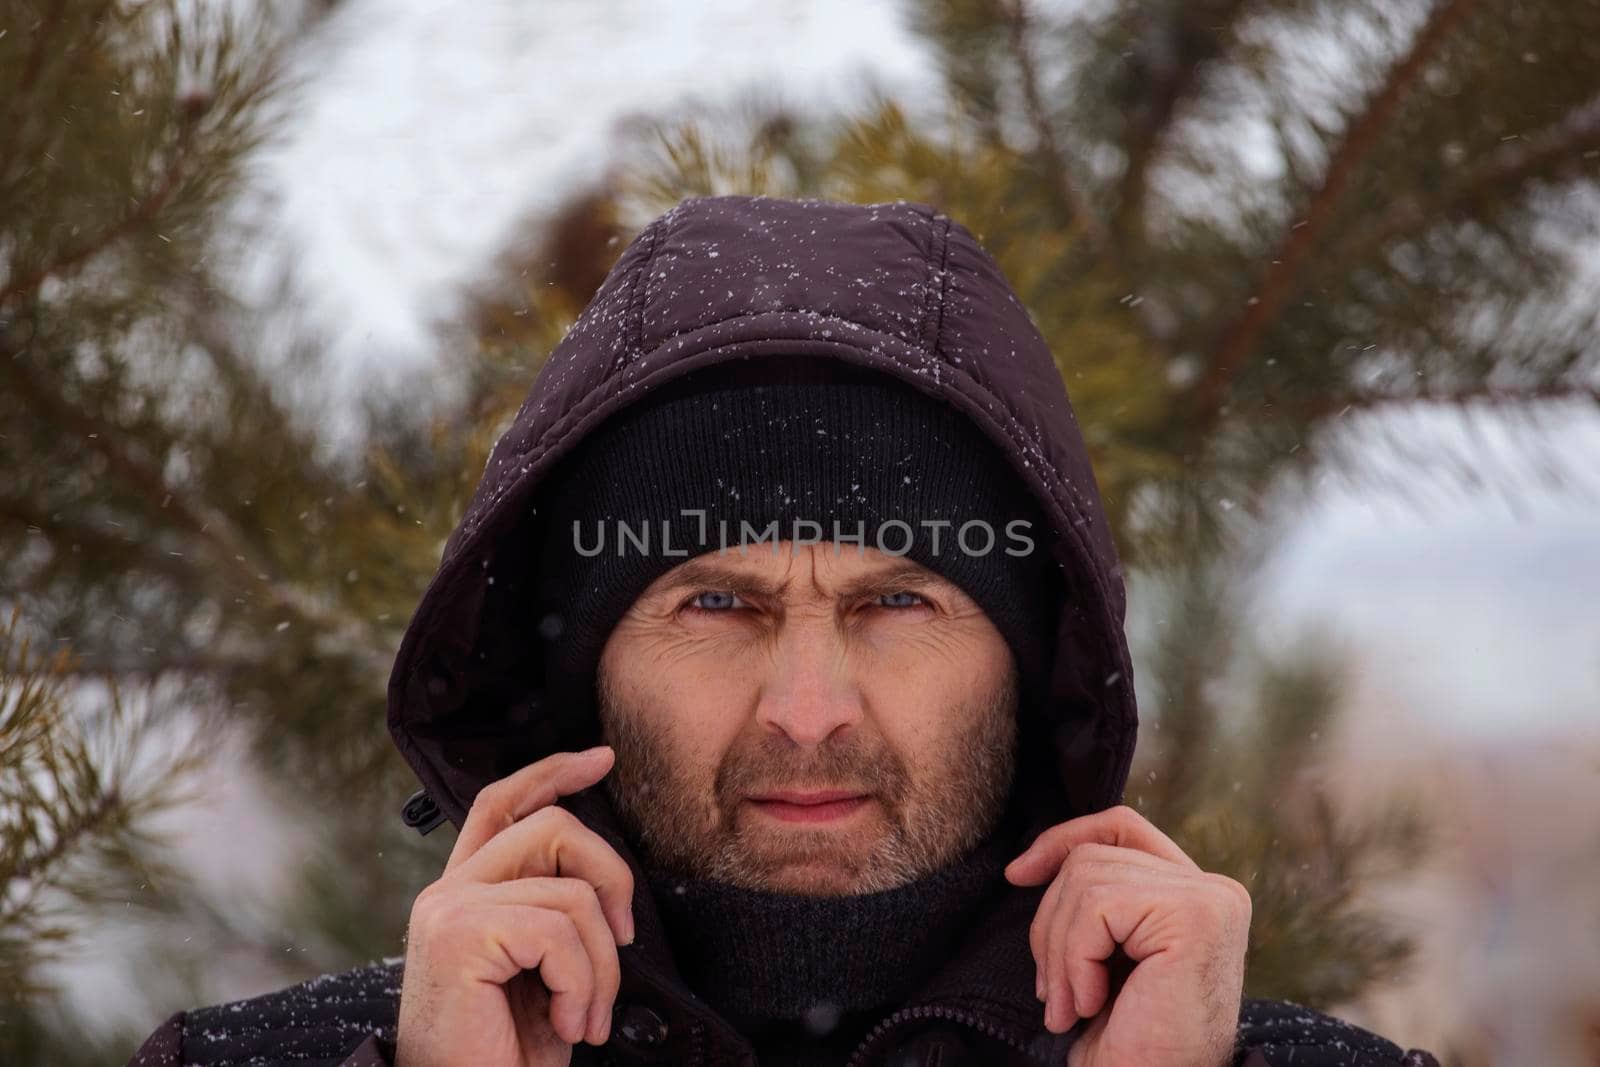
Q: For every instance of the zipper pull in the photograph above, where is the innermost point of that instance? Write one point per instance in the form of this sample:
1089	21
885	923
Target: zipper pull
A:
421	813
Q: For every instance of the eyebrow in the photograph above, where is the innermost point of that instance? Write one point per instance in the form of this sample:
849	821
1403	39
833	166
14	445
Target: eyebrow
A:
905	576
708	573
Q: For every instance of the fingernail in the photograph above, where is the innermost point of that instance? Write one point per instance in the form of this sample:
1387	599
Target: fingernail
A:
1038	987
627	927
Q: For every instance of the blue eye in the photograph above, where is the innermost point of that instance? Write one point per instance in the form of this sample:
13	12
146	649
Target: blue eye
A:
899	600
716	600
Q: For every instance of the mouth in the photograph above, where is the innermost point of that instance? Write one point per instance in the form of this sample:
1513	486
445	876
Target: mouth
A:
821	806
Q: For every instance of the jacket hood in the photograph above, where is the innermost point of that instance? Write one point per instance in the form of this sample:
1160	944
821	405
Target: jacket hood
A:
897	288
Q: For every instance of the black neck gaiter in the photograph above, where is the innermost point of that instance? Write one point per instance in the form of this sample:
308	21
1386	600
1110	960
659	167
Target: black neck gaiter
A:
806	964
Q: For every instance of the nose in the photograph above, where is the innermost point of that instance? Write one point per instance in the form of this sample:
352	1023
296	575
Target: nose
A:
809	696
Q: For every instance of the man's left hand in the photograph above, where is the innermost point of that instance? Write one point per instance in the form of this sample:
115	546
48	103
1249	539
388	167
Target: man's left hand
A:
1117	881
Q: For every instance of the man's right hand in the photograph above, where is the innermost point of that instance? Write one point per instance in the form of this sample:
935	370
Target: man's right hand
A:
528	888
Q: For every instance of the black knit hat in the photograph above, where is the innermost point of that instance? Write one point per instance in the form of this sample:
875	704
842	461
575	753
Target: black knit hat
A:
786	449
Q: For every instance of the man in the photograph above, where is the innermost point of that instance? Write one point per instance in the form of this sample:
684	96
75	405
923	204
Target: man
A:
775	680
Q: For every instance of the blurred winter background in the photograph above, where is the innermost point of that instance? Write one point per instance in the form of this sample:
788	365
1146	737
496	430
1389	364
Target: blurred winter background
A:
1321	276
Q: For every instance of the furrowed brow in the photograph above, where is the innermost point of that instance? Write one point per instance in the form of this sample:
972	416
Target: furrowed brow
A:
708	573
905	577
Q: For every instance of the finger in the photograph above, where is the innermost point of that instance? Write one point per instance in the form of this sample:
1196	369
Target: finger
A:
1038	935
546	940
502	802
1121	826
1060	1008
1093	853
1056	902
553	843
578	901
1071	981
1087	940
1143	912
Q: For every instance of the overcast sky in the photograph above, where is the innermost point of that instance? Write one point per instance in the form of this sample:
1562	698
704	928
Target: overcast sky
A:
428	132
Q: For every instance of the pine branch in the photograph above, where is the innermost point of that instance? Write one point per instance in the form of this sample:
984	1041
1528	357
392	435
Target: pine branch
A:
144	213
1081	213
1238	344
47	29
207	526
68	836
30	75
64	536
148	670
1161	109
188	160
1082	219
1480	394
1547	154
71	834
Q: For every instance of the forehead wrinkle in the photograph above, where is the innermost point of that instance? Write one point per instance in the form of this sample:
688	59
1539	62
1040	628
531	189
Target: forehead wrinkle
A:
720	571
899	575
714	572
904	575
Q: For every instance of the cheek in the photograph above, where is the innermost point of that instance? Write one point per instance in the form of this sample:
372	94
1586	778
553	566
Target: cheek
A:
952	664
707	711
696	692
923	687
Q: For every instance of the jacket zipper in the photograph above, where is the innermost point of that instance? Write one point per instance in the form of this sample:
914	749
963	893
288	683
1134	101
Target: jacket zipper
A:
928	1011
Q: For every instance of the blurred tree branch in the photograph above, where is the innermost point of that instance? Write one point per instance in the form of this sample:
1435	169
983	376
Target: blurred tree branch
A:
1201	32
1281	272
146	211
165	506
1079	211
1482	394
1550	154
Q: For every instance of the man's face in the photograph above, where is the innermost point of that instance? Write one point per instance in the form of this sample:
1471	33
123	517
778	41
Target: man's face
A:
815	720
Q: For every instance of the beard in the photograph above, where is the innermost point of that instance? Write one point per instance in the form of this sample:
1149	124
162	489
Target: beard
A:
923	818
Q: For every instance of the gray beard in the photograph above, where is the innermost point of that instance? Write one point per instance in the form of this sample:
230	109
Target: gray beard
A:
933	818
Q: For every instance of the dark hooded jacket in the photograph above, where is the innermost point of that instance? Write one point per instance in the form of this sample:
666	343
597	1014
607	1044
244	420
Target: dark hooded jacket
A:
896	288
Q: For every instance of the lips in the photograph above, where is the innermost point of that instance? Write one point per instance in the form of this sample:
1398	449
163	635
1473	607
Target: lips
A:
807	798
810	806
